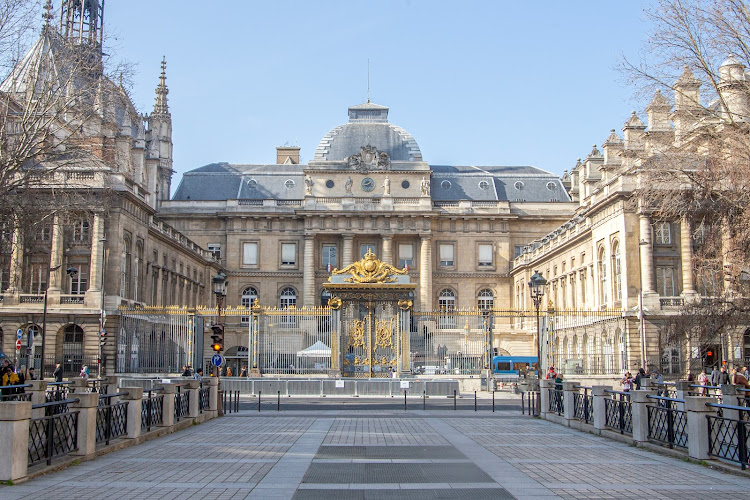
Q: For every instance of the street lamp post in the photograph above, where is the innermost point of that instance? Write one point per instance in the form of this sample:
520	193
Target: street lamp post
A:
72	271
536	288
219	284
102	315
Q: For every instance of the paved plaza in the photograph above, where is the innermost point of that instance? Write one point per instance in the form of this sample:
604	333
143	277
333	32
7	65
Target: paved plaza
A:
374	454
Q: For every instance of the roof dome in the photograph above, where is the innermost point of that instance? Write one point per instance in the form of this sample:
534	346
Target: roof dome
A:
368	126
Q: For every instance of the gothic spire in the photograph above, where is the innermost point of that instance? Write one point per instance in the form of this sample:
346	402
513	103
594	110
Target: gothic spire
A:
160	106
47	16
82	21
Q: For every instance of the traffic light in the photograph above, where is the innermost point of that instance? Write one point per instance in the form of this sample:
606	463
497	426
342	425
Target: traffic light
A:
102	337
217	339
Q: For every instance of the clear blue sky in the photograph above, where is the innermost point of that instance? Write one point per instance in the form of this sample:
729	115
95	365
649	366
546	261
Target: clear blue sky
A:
476	83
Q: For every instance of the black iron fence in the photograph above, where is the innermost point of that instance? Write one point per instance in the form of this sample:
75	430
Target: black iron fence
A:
618	411
556	401
203	398
181	404
729	438
57	391
583	404
15	393
52	435
666	423
152	411
111	418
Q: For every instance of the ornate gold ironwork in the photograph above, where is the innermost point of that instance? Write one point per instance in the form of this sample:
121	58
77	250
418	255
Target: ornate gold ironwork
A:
370	270
357	333
334	303
384	332
404	304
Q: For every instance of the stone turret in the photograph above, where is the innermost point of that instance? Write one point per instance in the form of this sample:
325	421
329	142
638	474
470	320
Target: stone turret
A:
687	106
733	90
159	140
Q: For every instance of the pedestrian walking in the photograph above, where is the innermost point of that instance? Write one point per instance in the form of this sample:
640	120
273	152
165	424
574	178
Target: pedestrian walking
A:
58	373
551	374
626	382
243	373
229	371
739	379
703	381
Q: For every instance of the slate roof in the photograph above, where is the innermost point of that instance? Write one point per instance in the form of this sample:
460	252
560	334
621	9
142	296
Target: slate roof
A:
224	181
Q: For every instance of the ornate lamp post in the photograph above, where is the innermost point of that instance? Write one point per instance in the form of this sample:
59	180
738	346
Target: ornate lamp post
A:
536	288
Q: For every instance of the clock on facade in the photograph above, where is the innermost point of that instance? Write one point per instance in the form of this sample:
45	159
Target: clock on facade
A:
368	184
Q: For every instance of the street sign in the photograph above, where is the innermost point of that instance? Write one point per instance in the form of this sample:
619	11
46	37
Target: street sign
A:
217	360
18	345
19	334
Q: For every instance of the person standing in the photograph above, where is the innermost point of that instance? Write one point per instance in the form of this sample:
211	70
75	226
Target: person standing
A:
58	373
739	379
243	373
639	378
703	381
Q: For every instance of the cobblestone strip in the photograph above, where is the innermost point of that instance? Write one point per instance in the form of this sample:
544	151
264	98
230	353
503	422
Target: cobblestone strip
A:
285	477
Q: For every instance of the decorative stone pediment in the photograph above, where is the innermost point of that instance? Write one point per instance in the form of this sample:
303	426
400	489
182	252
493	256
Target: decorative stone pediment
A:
370	270
368	159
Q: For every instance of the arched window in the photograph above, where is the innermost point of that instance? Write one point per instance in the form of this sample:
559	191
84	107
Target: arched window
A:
602	264
622	349
486	300
586	353
125	268
249	295
446	305
72	350
287	300
617	271
607	354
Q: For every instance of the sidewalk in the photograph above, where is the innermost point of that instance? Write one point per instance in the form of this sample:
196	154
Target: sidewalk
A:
394	454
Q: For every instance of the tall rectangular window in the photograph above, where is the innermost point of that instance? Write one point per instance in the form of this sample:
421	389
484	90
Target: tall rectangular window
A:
663	233
405	255
485	255
446	255
80	282
39	275
250	254
328	256
215	248
517	250
665	281
288	254
364	248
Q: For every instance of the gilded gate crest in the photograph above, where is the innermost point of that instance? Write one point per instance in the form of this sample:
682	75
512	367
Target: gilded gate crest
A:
369	270
384	332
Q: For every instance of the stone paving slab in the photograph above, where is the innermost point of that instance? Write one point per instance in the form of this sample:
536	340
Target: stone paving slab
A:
476	455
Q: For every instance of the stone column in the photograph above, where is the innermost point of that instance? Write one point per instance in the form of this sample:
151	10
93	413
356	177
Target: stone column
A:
192	387
213	396
639	415
167	411
425	273
730	397
56	257
96	272
134	397
686	255
86	406
38	392
387	249
14	434
682	390
646	256
346	253
569	394
308	272
544	390
600	409
697	429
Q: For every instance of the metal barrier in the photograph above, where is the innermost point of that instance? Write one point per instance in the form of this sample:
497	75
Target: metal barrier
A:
529	400
57	391
181	404
729	438
556	398
583	405
618	412
231	401
203	398
667	424
52	435
15	393
704	390
152	411
339	387
111	418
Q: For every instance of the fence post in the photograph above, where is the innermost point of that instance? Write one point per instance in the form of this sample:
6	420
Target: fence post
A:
569	396
682	389
79	385
544	387
86	406
600	409
167	410
14	434
639	414
134	397
192	387
38	392
213	396
109	386
697	429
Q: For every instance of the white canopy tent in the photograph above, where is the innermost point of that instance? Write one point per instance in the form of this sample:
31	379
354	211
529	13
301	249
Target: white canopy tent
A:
317	350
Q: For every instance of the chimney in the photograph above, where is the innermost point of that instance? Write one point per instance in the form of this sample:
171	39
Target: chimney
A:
286	155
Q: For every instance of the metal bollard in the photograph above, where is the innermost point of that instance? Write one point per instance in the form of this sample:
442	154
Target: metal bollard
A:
237	399
424	400
454	399
493	401
475	400
278	400
259	394
404	400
